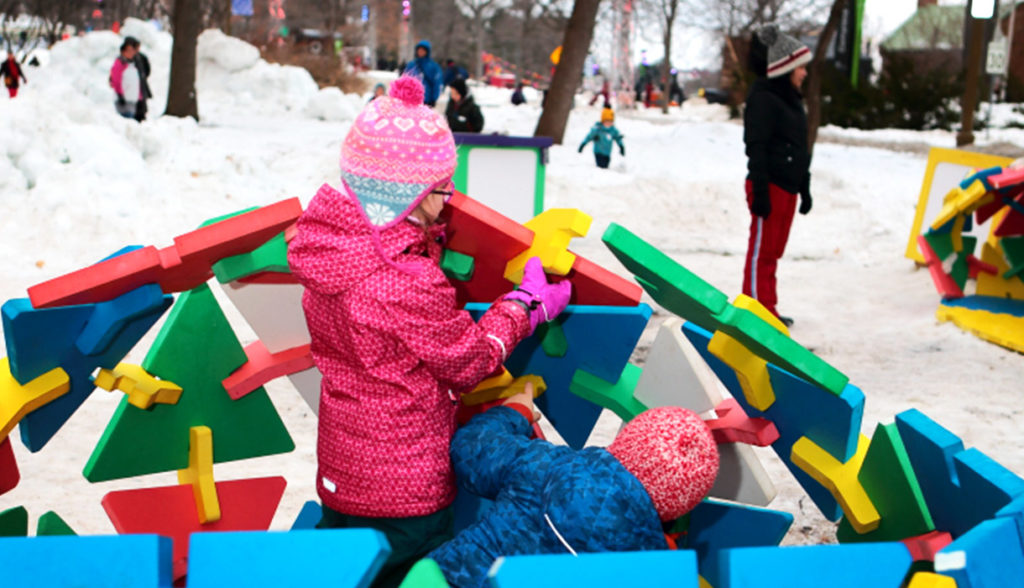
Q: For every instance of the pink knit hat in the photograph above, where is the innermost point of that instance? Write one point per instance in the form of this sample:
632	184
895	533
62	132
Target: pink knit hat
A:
397	151
671	451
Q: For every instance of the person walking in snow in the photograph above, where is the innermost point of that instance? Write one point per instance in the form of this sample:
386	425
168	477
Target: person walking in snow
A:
603	134
778	160
142	65
462	112
552	499
517	95
395	350
452	72
126	80
428	72
13	75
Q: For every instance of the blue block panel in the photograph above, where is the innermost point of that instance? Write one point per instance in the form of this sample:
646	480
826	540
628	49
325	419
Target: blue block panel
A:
128	561
639	568
39	340
993	304
814	566
601	340
716	525
987	556
308	517
800	409
962	487
341	558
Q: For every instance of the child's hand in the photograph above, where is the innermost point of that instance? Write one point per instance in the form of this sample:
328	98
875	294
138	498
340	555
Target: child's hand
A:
525	398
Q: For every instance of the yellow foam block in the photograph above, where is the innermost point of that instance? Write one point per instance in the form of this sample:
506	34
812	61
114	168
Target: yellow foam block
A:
747	303
17	400
961	201
957	233
930	580
751	370
552	231
1002	329
702	583
989	285
200	474
505	390
143	389
840	479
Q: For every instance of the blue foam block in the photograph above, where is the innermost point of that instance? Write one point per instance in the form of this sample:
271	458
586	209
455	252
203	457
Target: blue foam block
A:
982	175
814	566
987	556
325	557
962	487
601	340
716	525
43	339
800	409
110	318
128	561
639	568
308	517
994	304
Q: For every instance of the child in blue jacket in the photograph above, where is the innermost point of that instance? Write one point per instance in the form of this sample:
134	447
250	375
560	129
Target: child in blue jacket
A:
602	134
555	499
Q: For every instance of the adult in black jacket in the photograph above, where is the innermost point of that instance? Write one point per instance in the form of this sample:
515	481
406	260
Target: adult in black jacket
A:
463	114
778	161
142	65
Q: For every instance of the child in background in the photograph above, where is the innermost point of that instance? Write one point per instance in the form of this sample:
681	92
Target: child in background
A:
394	351
378	91
602	134
555	499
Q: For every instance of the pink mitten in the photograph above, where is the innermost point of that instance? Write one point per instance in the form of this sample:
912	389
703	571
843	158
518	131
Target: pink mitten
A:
542	300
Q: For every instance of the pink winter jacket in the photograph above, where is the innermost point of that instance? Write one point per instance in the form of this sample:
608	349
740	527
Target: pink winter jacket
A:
395	353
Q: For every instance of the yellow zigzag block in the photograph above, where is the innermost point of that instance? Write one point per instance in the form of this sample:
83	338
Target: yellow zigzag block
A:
840	479
751	370
16	400
930	580
200	474
960	201
1002	329
552	231
143	389
504	389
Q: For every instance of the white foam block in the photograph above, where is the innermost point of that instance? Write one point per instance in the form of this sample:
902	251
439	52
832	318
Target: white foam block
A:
675	374
741	476
307	382
274	311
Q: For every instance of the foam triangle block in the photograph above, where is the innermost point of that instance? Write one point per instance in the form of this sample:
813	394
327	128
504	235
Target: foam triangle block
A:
51	524
9	474
639	568
812	566
600	342
138	442
245	505
14	522
961	487
294	558
309	516
129	561
424	574
715	526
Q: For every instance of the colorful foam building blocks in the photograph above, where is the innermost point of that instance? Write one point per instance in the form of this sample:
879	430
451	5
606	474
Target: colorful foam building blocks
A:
129	561
644	568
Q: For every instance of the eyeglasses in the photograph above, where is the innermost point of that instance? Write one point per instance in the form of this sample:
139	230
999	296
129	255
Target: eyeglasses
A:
446	193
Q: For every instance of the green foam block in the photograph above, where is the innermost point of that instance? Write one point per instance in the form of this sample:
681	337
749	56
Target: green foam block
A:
552	339
617	397
272	256
196	349
424	574
51	524
1013	249
457	266
14	522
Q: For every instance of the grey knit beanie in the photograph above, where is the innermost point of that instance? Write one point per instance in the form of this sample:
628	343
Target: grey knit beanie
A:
784	52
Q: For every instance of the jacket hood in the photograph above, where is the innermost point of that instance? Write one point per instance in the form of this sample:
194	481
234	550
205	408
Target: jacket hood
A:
426	45
335	249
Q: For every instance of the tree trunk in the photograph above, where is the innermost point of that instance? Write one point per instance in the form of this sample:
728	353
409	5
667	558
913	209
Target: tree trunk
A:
575	45
813	93
478	46
181	96
666	68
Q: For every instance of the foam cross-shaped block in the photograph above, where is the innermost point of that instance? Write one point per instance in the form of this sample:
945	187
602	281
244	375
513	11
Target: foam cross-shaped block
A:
17	400
142	388
840	478
199	474
552	231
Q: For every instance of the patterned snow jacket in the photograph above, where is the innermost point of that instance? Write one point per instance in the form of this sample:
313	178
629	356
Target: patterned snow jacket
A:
395	353
541	491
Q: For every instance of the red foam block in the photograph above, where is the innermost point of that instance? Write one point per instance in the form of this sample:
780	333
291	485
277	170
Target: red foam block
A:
944	283
177	268
263	367
976	266
924	547
594	285
734	426
9	475
245	505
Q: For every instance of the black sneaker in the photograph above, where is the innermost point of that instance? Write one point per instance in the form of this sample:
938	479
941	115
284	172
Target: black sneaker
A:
786	321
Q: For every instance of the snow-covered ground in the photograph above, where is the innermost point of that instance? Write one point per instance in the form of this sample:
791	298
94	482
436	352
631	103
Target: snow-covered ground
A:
77	182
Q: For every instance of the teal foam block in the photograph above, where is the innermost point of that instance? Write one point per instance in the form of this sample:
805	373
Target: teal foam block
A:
308	517
43	339
800	409
600	342
716	525
962	487
987	556
326	557
814	566
639	568
126	561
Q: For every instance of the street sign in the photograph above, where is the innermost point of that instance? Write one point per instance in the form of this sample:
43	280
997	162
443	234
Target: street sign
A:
998	55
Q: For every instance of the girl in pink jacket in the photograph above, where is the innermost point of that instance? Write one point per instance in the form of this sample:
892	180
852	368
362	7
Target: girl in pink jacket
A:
394	350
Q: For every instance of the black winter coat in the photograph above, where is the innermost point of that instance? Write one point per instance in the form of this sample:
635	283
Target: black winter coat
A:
464	116
775	133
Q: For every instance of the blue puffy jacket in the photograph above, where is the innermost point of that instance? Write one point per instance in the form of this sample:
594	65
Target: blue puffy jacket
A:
602	137
587	495
429	72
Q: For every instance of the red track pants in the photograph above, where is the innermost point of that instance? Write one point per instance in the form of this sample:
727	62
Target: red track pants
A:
767	243
12	91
